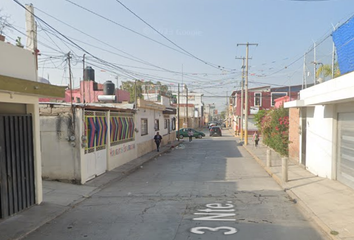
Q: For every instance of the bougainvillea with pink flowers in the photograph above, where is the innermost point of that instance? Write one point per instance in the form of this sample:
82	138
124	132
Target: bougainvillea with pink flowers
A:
274	127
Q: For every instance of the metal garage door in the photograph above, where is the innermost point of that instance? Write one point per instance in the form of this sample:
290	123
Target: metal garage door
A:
345	159
17	190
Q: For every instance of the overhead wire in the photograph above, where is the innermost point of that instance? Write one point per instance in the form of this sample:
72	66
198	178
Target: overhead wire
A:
169	40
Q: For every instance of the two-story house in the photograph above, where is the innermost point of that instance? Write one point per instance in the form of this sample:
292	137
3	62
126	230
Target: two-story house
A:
258	98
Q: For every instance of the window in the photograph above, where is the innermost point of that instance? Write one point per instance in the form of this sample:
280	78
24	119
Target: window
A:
144	126
258	99
157	124
166	123
276	95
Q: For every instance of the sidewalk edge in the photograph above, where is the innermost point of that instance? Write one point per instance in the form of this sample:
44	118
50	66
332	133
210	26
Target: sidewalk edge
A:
302	205
97	189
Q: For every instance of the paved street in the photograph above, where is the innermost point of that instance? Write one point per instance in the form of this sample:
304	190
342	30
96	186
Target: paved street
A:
207	189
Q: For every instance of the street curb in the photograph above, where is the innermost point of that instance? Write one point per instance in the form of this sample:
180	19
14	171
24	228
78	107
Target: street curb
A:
97	189
301	204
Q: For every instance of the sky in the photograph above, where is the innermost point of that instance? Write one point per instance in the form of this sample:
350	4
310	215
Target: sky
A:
199	46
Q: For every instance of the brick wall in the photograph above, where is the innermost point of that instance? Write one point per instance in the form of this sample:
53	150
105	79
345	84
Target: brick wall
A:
294	136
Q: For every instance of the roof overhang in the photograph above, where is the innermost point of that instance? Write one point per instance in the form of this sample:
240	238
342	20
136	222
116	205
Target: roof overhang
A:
32	88
294	104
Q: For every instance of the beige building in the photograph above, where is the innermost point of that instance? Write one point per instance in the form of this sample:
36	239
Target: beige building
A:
20	158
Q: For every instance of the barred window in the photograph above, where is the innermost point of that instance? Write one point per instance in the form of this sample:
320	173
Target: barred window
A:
157	124
144	126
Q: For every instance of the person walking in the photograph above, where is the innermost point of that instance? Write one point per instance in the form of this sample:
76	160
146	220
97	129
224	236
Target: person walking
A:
190	135
158	140
256	139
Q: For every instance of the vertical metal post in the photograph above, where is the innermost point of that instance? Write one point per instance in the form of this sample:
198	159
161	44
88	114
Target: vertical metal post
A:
246	98
178	113
304	77
284	168
242	93
268	162
187	105
314	63
333	60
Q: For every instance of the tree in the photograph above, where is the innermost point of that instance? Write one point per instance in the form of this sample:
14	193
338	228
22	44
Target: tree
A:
130	86
223	115
326	70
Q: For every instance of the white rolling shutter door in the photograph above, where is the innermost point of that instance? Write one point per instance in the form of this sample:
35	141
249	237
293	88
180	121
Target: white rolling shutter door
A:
345	159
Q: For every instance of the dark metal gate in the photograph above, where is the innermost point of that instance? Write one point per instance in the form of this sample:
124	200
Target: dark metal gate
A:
17	191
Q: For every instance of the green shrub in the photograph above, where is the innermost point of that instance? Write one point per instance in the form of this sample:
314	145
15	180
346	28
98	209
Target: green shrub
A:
274	126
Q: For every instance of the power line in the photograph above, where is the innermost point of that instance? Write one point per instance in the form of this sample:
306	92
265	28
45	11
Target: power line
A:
190	54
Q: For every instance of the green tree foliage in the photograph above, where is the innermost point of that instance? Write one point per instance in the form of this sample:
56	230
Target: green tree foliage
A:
326	70
258	118
130	86
223	115
274	126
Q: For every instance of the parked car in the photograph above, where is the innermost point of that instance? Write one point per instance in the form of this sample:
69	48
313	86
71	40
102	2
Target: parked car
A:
183	132
215	131
211	125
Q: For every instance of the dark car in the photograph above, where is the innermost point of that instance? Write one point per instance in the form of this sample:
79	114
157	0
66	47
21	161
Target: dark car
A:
183	132
215	131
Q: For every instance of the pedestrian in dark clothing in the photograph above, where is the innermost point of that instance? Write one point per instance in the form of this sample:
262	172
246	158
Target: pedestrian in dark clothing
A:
158	140
190	135
256	139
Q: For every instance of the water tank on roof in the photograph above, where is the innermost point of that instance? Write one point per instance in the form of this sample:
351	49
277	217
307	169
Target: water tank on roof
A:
108	88
89	74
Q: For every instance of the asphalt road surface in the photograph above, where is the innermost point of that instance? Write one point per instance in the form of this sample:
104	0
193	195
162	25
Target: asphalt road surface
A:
210	189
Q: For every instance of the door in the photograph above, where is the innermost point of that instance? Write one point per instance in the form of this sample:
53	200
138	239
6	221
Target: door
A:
96	134
345	149
17	190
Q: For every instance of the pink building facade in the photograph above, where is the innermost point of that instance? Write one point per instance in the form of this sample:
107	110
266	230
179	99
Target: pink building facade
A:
88	93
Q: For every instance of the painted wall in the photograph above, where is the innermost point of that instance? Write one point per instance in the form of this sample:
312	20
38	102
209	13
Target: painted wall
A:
87	92
13	108
121	154
19	63
294	136
145	143
319	142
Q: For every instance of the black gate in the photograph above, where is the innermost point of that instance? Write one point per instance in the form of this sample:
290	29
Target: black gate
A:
17	191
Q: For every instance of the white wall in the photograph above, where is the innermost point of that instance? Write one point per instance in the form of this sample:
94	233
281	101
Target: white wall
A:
17	62
319	142
60	159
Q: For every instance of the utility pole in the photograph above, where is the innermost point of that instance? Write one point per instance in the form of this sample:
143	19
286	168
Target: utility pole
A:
178	112
304	77
246	89
186	104
83	79
135	91
31	33
117	91
70	82
314	63
242	93
333	59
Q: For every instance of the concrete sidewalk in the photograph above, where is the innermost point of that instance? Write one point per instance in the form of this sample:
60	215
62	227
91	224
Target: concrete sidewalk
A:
59	197
329	203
